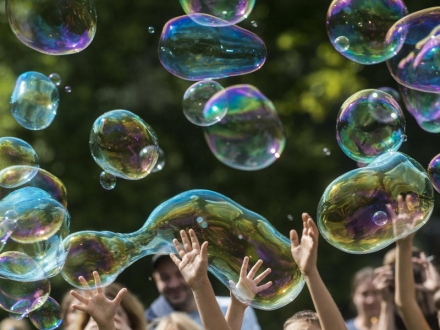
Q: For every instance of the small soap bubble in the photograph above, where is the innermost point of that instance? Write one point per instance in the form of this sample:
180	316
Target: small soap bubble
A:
254	24
151	29
107	180
342	43
380	218
11	215
326	151
55	78
240	236
68	89
160	163
199	219
150	278
204	225
290	217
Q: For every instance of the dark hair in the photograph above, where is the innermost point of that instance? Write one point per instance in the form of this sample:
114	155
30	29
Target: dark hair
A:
306	316
157	259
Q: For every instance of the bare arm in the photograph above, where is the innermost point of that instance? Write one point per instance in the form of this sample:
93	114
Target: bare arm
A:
305	255
383	280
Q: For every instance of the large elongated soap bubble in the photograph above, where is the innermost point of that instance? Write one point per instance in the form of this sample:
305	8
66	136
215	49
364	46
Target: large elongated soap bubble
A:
53	27
195	52
124	145
353	214
434	172
232	231
425	108
251	135
229	11
370	123
357	29
416	64
34	101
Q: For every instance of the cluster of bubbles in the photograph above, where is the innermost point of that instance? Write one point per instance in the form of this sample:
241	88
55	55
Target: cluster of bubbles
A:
232	231
33	224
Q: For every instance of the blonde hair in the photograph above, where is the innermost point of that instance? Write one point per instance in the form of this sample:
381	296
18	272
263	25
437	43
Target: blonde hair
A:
12	324
176	321
130	303
305	316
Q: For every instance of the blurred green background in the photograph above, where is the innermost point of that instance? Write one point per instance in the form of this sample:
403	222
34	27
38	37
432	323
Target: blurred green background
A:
304	76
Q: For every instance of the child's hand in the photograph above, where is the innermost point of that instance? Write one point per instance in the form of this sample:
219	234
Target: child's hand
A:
194	259
406	218
101	309
305	253
247	286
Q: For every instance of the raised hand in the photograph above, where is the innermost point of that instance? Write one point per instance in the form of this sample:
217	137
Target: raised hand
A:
247	285
305	252
407	216
97	305
383	282
431	281
193	262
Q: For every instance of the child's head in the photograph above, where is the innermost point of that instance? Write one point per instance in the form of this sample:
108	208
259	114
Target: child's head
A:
304	320
177	321
365	297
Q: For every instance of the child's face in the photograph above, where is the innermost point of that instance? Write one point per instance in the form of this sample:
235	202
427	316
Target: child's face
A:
302	326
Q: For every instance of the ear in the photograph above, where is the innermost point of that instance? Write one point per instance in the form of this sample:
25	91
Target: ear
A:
156	277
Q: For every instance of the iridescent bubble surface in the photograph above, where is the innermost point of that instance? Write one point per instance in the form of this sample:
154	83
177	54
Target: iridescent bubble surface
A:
347	209
16	176
34	101
160	163
370	123
416	64
55	78
116	141
53	27
394	93
225	222
434	172
19	266
251	135
196	107
357	29
48	316
107	180
195	52
23	297
229	11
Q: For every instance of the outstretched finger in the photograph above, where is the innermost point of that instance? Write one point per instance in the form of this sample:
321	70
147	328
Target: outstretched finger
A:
204	251
79	297
81	308
176	260
255	268
85	285
97	282
244	267
194	240
120	296
400	204
313	228
185	241
262	276
179	248
294	238
264	286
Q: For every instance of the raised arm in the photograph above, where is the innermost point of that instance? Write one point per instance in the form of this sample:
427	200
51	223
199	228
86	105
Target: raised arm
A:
193	264
304	253
97	305
383	282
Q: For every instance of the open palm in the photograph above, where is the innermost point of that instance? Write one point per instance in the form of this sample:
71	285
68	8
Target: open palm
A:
305	252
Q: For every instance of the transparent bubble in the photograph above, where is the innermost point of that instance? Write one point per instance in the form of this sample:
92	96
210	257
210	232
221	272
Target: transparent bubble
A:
395	94
326	151
53	27
34	101
342	44
55	78
416	63
48	316
107	180
370	123
16	176
251	135
254	24
357	29
11	215
23	297
116	141
151	29
214	218
347	220
148	158
160	163
290	217
68	89
19	266
227	12
194	52
434	172
196	107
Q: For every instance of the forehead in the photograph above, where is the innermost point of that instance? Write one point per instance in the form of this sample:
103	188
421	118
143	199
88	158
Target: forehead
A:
166	266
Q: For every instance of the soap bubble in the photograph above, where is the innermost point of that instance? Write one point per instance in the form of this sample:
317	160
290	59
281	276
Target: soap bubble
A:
23	297
68	89
160	163
251	135
196	107
19	266
53	27
194	52
55	78
107	180
395	94
116	141
151	29
16	176
369	123
214	218
229	11
353	211
416	63
48	316
434	172
254	24
357	29
34	101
